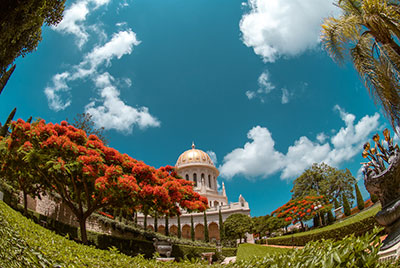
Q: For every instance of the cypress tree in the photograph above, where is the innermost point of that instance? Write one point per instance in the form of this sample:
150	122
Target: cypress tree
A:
166	226
191	227
316	221
346	206
206	237
4	78
221	226
323	221
331	219
179	227
374	198
29	120
156	222
360	200
4	128
336	203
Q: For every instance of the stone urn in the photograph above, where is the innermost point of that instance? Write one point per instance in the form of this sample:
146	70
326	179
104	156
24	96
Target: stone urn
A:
163	247
385	184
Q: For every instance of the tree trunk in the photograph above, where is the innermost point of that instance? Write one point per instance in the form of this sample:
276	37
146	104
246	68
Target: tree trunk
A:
82	226
145	222
302	226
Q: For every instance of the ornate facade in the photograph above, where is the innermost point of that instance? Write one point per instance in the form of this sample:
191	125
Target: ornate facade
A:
196	165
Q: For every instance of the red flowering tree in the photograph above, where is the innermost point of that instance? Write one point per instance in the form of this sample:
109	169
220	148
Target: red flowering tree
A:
88	175
302	209
13	169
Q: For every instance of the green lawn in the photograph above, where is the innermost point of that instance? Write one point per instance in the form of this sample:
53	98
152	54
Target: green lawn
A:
247	251
350	220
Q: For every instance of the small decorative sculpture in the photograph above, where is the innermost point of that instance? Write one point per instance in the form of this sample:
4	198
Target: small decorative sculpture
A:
382	178
163	247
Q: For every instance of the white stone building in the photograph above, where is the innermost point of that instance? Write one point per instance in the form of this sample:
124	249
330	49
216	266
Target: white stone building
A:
196	165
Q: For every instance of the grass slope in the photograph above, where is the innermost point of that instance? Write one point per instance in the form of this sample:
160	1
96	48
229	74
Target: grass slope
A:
26	244
248	251
350	220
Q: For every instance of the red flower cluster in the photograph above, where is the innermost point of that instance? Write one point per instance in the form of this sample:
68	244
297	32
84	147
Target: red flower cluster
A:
301	209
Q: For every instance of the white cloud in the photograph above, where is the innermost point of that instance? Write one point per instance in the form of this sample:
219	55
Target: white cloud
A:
52	93
114	113
213	156
321	137
258	158
120	44
285	96
264	87
75	16
276	28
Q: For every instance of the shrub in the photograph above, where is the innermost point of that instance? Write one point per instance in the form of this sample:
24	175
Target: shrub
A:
357	228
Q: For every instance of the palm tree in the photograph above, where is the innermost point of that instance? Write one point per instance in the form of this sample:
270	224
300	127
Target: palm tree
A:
368	31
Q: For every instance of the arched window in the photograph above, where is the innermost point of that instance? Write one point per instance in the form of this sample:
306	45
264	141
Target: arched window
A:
209	181
187	177
195	179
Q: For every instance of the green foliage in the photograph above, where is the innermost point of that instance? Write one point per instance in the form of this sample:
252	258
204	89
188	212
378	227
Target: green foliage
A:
360	200
325	180
374	198
221	226
346	206
182	252
237	225
352	252
357	225
4	128
206	236
21	26
25	244
4	78
191	227
367	32
336	203
331	219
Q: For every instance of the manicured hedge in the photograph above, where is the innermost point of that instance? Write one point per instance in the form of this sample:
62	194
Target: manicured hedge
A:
181	252
131	246
357	228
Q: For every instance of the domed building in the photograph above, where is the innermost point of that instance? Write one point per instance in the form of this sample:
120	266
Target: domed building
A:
196	165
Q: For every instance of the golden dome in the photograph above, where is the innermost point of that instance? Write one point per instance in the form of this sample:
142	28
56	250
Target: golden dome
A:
194	157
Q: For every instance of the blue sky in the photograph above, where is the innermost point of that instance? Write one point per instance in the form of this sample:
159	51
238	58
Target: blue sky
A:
248	82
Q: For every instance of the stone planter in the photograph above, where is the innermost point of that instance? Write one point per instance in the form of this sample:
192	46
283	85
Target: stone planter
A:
163	247
386	186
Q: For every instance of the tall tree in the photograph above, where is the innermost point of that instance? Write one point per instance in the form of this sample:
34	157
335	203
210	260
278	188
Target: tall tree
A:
4	78
192	228
322	179
360	200
179	227
221	226
206	236
237	225
21	26
4	128
346	206
368	32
